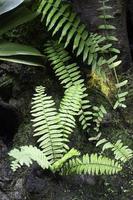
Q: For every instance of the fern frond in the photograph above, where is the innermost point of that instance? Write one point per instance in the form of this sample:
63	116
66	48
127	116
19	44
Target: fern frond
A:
58	164
47	127
98	115
26	155
59	17
112	62
120	151
69	74
121	96
92	164
106	26
69	108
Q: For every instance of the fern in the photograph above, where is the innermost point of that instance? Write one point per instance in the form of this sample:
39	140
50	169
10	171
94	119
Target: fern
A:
98	115
69	107
92	164
112	62
47	125
120	151
106	17
59	17
53	128
69	74
121	96
26	155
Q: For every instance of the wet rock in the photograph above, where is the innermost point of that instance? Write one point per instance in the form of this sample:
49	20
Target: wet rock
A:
11	184
3	196
8	123
45	185
18	192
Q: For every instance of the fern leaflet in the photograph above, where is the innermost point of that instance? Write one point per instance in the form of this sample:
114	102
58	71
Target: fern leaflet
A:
120	151
92	164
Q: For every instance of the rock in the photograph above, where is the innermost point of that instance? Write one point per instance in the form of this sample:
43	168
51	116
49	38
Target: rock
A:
8	122
3	196
18	192
45	185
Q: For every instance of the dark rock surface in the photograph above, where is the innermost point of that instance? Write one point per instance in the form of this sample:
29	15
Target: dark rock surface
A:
11	187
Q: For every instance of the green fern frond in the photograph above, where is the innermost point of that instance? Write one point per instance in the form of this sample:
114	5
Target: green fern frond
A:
59	17
121	96
106	26
47	126
69	108
112	62
92	164
69	74
120	151
98	115
58	164
26	155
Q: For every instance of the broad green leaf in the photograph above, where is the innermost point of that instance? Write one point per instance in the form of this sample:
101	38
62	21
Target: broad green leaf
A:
12	49
19	53
26	60
15	18
8	5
